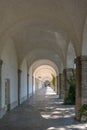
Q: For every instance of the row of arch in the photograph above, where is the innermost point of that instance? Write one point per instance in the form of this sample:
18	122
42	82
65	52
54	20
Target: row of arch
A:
10	66
80	49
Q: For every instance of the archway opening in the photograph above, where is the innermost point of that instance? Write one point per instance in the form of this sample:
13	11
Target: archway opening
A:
43	73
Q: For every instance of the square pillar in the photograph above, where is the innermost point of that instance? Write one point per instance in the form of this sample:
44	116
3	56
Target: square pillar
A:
65	81
57	84
60	84
1	62
32	85
81	83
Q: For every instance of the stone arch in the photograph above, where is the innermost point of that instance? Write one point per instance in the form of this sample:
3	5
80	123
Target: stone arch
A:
25	20
43	74
45	67
41	54
36	65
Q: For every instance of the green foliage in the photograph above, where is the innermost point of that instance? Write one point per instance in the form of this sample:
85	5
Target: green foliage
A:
72	89
83	111
53	80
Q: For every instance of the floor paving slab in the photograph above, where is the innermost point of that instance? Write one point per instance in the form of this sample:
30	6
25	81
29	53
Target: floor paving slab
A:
43	111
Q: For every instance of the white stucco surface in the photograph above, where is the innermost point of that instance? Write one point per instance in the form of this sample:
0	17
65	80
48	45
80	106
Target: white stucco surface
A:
24	80
9	71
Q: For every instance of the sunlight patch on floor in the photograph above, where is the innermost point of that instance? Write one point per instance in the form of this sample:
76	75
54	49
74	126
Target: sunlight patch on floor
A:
79	127
45	116
70	127
49	91
76	127
53	128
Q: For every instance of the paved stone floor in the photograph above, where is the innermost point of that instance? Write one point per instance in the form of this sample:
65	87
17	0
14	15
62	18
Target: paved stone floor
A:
44	111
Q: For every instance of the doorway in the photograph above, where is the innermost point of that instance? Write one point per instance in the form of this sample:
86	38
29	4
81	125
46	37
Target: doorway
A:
7	94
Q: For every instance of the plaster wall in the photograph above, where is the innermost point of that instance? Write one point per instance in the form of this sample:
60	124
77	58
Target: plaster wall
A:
9	71
24	81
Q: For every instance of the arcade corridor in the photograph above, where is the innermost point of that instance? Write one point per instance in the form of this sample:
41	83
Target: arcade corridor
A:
43	43
44	111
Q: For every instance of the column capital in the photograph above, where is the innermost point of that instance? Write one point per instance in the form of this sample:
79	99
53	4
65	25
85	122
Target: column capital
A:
1	62
84	58
19	70
64	70
77	58
67	69
28	75
60	74
80	58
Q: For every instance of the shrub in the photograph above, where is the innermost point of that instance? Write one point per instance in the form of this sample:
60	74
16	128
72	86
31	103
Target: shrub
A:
53	80
83	112
72	90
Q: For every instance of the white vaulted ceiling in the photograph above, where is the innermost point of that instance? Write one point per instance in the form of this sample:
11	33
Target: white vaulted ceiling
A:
42	29
44	73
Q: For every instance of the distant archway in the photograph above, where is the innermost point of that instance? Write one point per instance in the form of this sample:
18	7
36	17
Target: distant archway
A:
40	72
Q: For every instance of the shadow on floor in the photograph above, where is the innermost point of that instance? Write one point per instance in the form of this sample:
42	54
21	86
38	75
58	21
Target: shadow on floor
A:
44	111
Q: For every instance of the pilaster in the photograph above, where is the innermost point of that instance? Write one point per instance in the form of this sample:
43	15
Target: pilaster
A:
19	86
57	80
65	81
1	62
32	85
27	86
60	85
81	83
